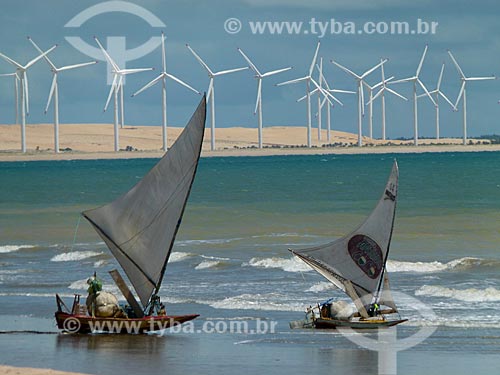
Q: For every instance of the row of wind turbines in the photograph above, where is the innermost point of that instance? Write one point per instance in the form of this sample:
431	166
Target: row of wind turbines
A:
314	86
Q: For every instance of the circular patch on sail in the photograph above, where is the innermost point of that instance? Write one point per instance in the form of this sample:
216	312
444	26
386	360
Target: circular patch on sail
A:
367	255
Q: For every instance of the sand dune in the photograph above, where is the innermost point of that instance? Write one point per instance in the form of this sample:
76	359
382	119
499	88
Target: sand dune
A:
96	141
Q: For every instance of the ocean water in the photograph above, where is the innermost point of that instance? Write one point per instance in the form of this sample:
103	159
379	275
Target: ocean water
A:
230	262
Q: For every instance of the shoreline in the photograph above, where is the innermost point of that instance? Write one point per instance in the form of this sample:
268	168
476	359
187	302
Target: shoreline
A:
10	370
246	152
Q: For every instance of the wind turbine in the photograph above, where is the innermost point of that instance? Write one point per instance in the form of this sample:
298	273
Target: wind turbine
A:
308	80
326	98
259	76
211	90
462	92
381	92
416	80
328	108
437	92
54	90
360	80
21	73
16	90
163	79
117	88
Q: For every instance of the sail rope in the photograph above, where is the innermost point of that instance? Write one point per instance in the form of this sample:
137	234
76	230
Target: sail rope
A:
76	231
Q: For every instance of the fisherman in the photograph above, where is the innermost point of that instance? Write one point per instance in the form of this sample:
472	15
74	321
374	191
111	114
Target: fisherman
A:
374	309
162	311
95	286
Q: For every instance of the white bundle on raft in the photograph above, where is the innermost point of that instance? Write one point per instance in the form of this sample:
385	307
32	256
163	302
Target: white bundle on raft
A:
341	310
105	304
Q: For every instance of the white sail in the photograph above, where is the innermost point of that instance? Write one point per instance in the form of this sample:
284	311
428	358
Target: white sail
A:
140	227
356	263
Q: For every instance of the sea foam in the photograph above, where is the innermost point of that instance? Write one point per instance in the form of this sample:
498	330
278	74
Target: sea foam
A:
12	248
467	295
286	264
429	267
74	255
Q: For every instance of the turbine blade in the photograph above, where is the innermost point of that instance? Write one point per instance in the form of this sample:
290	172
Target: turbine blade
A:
149	84
182	83
396	93
133	71
342	91
75	66
107	56
39	57
314	58
163	53
409	79
51	92
51	64
210	88
421	61
259	95
456	65
426	92
10	61
369	71
376	96
111	89
222	72
273	72
447	100
460	93
252	66
293	81
345	69
480	78
440	77
200	61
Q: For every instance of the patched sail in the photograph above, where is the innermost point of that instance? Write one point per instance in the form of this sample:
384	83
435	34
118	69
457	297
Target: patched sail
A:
140	227
356	262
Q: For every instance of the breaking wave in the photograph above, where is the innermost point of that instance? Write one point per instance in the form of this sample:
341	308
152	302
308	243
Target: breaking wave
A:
210	264
467	295
12	248
286	264
322	286
429	267
178	256
265	302
74	255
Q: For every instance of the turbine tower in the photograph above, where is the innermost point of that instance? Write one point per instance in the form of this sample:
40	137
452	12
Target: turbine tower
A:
163	79
381	93
328	108
211	90
360	79
308	80
54	90
259	76
416	80
437	93
462	92
117	88
22	75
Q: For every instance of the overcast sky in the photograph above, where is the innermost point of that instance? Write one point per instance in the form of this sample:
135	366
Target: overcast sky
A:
470	29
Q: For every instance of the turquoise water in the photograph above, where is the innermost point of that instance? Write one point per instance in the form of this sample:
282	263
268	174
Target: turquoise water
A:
231	259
